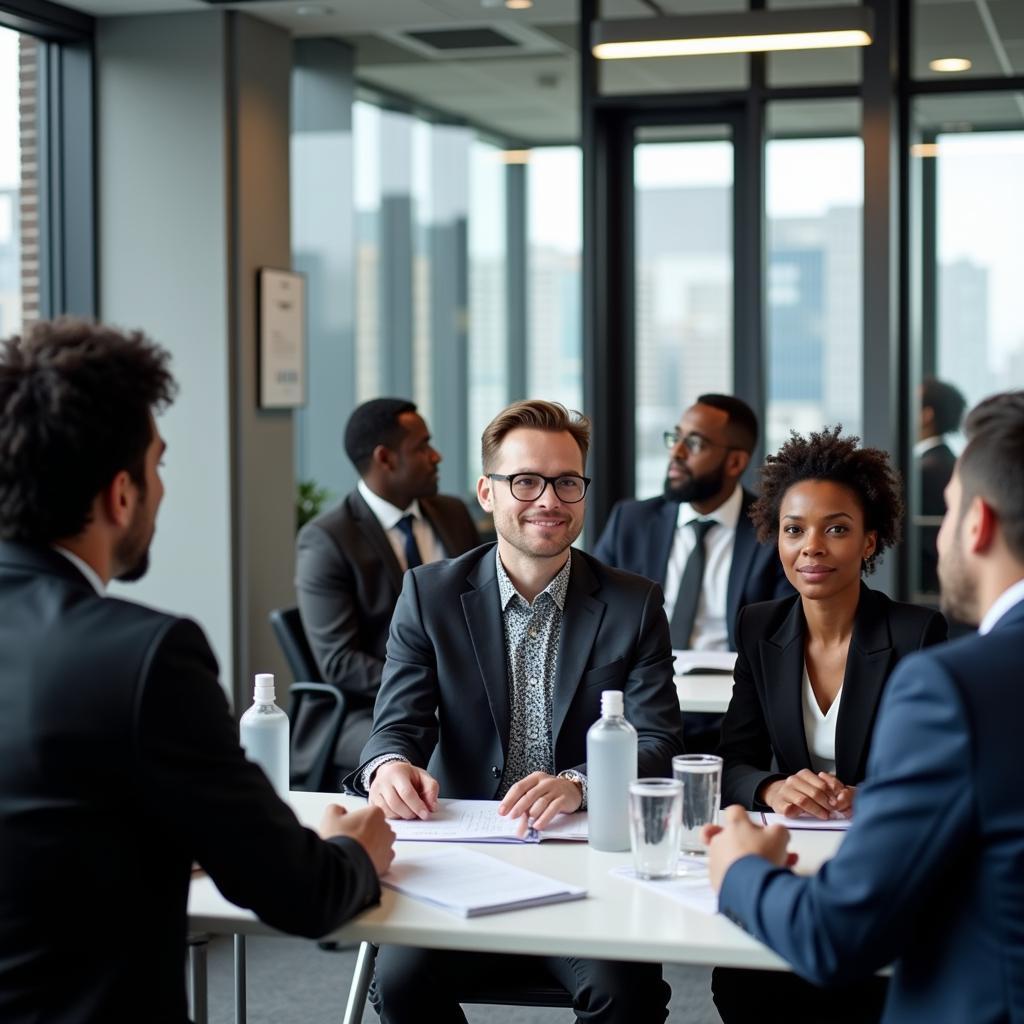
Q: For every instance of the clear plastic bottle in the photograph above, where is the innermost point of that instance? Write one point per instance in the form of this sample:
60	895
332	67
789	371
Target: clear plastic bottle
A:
264	734
611	767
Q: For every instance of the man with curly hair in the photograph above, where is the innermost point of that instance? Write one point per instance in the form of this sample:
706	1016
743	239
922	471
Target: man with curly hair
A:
119	759
929	874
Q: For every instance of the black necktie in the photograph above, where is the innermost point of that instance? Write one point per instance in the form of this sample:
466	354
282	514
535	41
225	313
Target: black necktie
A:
685	612
412	551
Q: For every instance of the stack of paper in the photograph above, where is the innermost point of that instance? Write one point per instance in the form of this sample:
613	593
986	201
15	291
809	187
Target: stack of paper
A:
470	884
805	823
713	662
478	821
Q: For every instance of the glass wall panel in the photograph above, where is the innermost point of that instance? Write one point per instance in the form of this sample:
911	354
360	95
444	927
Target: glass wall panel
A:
19	196
683	283
969	208
366	146
554	186
488	302
814	208
814	67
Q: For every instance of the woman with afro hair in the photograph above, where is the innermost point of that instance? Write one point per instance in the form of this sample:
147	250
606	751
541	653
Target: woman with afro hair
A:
810	669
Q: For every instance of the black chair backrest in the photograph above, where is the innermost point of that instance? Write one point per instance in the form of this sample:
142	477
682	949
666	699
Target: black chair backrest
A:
292	638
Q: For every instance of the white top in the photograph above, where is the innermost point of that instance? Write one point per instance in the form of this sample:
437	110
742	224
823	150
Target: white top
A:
1010	597
84	568
928	444
820	729
388	515
710	629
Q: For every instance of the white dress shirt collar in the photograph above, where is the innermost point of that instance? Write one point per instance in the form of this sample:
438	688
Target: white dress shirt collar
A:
1008	599
927	444
84	568
727	514
388	515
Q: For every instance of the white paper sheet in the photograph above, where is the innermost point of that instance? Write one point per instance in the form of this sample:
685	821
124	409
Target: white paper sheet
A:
704	661
805	823
692	890
478	821
470	884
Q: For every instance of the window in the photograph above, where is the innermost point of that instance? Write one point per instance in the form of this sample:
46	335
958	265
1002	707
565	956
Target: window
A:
814	208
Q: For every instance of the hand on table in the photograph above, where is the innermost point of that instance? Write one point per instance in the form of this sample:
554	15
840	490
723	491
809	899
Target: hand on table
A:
739	837
367	827
536	800
401	790
806	793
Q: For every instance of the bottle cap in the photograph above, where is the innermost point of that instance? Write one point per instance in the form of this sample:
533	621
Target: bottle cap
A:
264	693
611	703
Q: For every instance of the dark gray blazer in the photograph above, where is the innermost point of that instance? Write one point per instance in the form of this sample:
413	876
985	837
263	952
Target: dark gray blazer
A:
348	580
444	698
119	767
763	730
638	537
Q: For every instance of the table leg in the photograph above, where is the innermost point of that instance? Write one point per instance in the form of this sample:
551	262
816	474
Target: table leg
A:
197	1009
240	1008
360	983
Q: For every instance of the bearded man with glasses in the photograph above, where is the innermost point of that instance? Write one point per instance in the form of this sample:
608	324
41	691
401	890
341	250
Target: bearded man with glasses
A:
696	539
495	666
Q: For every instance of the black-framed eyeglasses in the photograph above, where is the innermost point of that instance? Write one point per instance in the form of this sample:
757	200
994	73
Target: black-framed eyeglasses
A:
693	443
530	486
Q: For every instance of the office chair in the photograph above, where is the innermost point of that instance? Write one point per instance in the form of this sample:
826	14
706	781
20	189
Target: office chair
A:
542	990
318	710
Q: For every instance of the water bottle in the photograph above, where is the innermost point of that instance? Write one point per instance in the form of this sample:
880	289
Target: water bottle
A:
611	767
264	734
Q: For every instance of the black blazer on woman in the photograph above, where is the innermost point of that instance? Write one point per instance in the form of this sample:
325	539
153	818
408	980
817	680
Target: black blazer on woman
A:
763	730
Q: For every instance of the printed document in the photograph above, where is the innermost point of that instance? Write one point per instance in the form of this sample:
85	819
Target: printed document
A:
478	821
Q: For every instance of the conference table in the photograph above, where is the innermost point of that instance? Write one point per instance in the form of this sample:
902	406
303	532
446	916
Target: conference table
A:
704	692
619	919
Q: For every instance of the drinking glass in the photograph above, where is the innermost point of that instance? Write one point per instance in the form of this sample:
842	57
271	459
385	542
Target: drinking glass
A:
655	819
701	776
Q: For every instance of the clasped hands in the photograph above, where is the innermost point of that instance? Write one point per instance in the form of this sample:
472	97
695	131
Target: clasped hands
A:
819	795
401	790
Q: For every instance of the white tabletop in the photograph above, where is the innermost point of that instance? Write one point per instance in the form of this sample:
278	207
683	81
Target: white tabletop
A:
618	920
704	692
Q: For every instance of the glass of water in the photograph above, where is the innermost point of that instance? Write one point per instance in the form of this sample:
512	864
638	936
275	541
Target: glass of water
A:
701	776
655	819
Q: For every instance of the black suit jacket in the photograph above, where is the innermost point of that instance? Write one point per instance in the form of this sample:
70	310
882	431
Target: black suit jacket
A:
348	581
120	766
934	467
763	730
638	537
444	699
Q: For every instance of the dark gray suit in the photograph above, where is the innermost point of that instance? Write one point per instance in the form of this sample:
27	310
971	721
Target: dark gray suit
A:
446	654
348	581
444	705
119	766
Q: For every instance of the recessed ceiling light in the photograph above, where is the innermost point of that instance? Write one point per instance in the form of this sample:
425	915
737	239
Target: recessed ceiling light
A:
515	156
312	10
950	64
924	149
518	5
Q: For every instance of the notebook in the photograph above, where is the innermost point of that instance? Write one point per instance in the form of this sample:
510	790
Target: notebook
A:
478	821
471	884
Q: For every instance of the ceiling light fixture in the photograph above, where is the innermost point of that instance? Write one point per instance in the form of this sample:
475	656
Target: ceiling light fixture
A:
515	156
518	5
950	64
741	32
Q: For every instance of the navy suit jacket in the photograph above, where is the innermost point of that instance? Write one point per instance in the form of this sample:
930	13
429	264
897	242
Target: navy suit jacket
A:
444	697
931	873
638	537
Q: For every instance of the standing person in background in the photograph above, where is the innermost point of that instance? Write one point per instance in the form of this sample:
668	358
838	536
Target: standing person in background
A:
942	408
119	759
696	539
928	875
350	560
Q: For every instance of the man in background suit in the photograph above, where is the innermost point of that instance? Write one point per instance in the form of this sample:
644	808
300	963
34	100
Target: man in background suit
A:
929	874
119	759
942	407
496	663
350	559
696	539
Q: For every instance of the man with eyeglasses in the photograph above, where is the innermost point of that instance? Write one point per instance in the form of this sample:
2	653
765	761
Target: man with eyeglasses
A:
495	666
696	538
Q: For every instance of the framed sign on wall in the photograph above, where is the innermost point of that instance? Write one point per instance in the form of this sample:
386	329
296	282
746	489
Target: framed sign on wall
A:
282	339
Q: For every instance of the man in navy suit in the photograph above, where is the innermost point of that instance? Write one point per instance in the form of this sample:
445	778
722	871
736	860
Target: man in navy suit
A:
929	875
696	539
